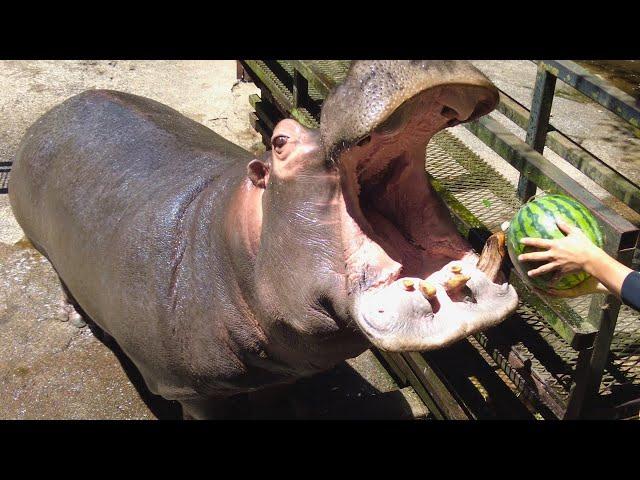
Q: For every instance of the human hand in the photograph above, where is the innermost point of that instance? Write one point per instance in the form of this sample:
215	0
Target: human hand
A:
569	254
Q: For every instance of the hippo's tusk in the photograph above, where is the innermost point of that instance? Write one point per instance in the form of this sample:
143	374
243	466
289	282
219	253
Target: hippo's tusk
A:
407	284
492	255
427	289
456	282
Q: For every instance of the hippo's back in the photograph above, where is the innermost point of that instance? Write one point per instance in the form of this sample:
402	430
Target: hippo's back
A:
100	184
101	153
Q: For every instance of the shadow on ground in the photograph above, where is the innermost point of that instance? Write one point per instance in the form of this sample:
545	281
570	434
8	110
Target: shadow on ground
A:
340	393
161	408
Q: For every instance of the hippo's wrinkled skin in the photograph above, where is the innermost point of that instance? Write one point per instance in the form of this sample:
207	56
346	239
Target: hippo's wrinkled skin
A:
220	274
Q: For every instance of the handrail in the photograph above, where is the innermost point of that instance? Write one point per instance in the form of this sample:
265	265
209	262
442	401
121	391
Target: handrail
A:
610	97
602	174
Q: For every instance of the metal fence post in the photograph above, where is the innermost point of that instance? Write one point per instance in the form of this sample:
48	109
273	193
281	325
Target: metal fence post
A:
603	314
591	362
300	89
538	124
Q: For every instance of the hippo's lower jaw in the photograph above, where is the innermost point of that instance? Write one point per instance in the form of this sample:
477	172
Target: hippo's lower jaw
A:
407	264
412	314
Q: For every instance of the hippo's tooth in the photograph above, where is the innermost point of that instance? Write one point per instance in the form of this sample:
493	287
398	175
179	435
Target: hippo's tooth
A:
427	289
456	282
492	255
408	284
456	268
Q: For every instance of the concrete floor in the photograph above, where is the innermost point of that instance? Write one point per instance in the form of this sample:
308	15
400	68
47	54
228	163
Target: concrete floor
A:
50	368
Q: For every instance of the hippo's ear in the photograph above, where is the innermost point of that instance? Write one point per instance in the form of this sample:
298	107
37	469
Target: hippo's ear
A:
258	172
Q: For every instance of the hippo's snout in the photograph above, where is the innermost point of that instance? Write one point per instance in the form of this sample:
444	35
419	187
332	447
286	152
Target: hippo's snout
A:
399	319
377	92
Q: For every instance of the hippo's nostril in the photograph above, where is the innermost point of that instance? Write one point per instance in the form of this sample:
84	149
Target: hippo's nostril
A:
448	112
481	109
451	114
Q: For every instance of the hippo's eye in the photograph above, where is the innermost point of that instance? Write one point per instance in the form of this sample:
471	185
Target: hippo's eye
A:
279	141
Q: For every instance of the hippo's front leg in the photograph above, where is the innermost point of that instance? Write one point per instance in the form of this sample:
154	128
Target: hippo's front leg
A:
70	308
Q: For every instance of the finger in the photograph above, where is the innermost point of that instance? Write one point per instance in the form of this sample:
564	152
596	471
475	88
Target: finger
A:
564	226
535	256
546	268
536	242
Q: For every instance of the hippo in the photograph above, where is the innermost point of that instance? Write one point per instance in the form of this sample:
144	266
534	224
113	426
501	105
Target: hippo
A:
218	273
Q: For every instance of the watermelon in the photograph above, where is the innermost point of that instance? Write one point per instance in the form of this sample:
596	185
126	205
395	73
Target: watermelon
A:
536	219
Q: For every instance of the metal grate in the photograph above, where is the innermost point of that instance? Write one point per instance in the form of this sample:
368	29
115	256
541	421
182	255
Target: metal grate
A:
486	193
623	370
493	200
334	69
285	88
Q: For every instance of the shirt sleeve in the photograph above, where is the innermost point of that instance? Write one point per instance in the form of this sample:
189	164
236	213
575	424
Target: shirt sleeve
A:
630	291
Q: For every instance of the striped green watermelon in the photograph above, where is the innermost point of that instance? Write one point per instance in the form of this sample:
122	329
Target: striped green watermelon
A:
536	219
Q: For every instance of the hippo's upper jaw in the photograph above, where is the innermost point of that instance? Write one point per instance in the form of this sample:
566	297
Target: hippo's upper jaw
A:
414	279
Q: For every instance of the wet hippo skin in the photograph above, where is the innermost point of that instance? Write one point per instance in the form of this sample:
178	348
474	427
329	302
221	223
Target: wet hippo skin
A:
218	273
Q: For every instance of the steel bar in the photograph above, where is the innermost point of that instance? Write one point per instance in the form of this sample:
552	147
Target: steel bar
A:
418	386
610	97
321	82
389	359
538	125
438	390
511	363
591	363
300	89
607	177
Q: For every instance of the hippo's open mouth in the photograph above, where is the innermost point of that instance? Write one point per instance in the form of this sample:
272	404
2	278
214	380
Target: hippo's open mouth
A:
415	279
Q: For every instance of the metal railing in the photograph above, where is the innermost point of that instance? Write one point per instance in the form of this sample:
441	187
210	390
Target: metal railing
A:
537	171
